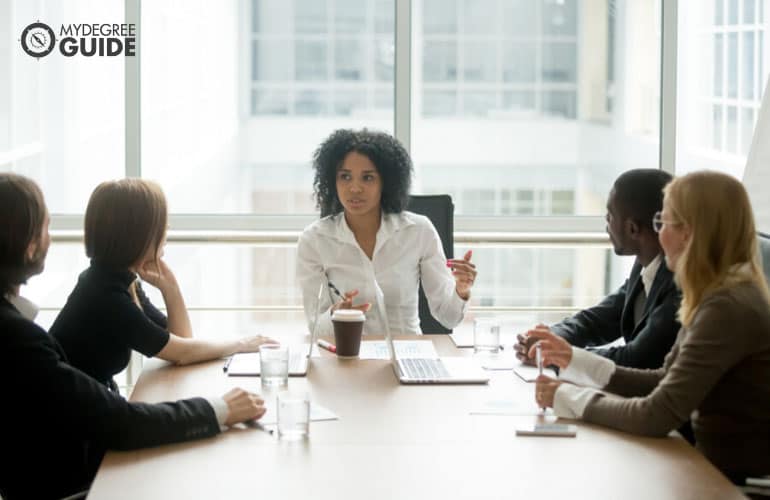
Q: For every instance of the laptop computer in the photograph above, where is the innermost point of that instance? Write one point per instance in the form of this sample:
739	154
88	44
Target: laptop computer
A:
247	364
452	370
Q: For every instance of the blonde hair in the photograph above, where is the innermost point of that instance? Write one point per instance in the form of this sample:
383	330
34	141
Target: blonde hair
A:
124	220
716	209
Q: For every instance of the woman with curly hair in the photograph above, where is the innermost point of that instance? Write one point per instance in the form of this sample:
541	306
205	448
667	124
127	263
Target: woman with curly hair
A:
369	246
718	372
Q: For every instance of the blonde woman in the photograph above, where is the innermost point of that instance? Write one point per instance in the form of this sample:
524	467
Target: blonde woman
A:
108	315
718	371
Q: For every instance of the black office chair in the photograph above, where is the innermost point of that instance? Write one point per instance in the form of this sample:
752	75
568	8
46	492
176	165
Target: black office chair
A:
441	211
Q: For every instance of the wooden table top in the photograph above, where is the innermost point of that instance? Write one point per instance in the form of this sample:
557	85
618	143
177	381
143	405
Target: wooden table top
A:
399	441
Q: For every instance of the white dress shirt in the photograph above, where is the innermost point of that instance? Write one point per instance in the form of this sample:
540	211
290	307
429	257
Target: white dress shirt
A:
585	369
407	250
648	273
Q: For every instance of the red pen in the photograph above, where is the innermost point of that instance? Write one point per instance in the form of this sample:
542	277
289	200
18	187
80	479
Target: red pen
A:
327	345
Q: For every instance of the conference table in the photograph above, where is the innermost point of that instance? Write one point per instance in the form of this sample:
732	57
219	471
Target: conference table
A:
399	441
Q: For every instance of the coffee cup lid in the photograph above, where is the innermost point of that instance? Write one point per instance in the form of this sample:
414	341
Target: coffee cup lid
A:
348	315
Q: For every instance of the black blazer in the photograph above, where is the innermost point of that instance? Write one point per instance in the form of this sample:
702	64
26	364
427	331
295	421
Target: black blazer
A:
647	342
56	422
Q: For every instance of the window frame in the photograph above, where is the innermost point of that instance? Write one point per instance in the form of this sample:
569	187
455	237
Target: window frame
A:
469	228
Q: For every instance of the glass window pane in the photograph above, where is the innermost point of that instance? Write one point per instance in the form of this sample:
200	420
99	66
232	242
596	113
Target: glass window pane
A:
747	129
480	61
439	103
562	202
269	15
384	16
519	18
311	102
748	66
349	103
310	16
749	13
732	65
719	70
384	59
440	62
559	62
349	61
479	103
270	102
732	130
519	62
717	126
439	17
268	61
62	119
559	103
560	17
477	15
719	12
349	16
518	100
310	57
732	11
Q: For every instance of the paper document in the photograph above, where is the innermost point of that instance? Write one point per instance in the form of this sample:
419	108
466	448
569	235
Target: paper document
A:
247	363
510	407
317	414
529	373
500	361
378	349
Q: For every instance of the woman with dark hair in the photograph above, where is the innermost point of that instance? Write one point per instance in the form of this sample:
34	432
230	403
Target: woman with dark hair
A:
108	315
367	245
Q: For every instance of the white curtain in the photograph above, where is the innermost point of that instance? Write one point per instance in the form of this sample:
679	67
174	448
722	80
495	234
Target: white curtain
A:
756	177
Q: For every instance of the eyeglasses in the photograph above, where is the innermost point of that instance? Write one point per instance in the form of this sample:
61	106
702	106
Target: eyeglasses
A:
658	222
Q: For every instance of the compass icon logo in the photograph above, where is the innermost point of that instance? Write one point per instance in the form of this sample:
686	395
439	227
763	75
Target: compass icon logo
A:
38	39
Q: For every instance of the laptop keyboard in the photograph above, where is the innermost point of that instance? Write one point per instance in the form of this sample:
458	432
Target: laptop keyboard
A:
424	368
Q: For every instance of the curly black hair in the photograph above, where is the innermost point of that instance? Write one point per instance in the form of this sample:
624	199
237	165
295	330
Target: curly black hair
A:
388	155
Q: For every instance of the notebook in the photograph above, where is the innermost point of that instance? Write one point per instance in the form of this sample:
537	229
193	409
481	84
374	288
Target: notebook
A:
247	364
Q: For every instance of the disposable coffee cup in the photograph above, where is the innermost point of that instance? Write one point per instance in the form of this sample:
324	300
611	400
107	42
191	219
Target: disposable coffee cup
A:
348	325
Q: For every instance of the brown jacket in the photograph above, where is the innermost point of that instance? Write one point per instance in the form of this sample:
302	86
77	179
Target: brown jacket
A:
717	373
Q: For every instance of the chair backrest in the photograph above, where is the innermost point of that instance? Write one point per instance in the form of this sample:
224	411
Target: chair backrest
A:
764	253
441	211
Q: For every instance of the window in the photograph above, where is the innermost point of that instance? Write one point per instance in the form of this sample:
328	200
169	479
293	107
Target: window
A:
719	91
62	120
478	63
521	101
233	128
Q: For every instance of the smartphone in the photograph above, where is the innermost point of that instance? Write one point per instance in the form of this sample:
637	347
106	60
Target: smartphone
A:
551	430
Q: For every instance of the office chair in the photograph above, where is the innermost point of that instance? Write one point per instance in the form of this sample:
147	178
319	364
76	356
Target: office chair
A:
440	210
764	253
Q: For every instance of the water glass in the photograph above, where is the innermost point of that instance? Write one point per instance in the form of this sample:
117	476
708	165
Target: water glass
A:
486	336
293	413
274	366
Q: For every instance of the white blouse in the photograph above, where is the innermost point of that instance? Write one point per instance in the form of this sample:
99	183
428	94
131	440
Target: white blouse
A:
407	250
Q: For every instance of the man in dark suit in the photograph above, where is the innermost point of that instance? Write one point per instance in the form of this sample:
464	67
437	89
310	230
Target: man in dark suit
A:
643	310
56	421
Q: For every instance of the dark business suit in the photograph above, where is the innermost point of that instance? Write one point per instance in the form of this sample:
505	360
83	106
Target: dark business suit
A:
648	341
56	421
